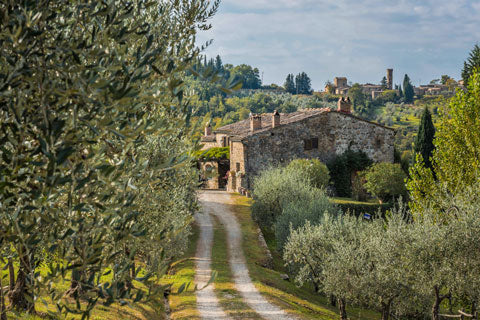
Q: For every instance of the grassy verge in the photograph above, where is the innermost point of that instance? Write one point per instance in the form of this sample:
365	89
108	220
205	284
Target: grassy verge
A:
230	299
184	305
302	302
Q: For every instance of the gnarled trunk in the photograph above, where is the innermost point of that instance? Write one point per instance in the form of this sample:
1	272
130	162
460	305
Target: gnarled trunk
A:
436	304
3	312
386	310
23	286
333	300
342	309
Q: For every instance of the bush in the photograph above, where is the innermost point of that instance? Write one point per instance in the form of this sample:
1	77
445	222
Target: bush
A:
342	167
359	208
385	181
297	213
273	190
315	171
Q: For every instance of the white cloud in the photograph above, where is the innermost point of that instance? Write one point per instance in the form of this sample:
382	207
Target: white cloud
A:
358	39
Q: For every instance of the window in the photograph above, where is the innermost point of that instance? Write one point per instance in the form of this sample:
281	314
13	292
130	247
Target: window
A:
224	141
237	166
309	144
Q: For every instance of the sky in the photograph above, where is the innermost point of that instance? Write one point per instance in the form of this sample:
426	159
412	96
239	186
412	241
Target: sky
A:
358	39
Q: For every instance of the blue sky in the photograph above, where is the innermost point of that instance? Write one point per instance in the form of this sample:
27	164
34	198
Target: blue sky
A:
358	39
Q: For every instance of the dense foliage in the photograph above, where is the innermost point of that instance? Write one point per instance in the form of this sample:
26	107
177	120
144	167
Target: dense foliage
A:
343	166
275	188
385	180
314	171
472	64
395	266
94	168
455	159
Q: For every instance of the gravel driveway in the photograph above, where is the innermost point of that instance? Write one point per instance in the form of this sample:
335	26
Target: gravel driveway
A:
217	203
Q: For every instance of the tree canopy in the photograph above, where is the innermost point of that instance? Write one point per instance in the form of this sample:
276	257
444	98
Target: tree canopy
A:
472	63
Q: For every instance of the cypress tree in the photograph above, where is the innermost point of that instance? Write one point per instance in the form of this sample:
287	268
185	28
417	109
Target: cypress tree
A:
424	139
289	84
473	62
408	92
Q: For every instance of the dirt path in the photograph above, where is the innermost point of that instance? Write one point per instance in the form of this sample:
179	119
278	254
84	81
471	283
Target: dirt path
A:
207	303
216	203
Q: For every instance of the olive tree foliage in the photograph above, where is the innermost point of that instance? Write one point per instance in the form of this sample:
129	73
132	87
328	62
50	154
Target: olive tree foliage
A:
298	212
83	85
398	266
275	188
314	170
455	159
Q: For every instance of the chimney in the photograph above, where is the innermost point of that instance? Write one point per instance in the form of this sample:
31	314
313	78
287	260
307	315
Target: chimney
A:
344	105
255	122
275	119
208	129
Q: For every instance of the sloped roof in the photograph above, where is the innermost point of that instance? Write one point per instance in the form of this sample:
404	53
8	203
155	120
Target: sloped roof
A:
241	129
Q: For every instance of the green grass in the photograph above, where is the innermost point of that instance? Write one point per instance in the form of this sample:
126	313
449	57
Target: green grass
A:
302	302
230	299
184	305
145	310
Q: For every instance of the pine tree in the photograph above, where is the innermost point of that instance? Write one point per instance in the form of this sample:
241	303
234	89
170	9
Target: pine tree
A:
473	62
289	84
424	140
408	89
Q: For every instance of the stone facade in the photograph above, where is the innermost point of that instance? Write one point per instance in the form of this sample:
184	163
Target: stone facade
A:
309	133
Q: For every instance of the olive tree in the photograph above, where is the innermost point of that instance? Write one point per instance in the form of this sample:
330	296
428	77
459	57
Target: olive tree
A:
82	86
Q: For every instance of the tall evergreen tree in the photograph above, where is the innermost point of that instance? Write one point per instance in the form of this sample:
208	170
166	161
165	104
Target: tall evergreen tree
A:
289	84
472	62
408	89
218	63
424	140
303	84
384	82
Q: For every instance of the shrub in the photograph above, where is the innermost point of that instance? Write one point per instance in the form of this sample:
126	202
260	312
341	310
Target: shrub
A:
342	167
385	181
273	189
315	171
297	213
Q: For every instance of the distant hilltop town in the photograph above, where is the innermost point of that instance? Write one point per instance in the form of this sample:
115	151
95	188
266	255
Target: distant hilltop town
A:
340	86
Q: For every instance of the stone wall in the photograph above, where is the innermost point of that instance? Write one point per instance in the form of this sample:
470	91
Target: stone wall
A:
335	131
210	171
237	166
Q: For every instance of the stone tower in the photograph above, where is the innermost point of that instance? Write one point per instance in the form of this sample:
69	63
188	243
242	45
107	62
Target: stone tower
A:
389	79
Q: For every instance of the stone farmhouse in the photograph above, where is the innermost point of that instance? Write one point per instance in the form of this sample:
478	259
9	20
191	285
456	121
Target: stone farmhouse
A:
273	139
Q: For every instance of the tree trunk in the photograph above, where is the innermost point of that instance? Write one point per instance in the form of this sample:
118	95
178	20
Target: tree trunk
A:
11	274
436	304
342	308
474	311
3	312
22	289
386	310
333	300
